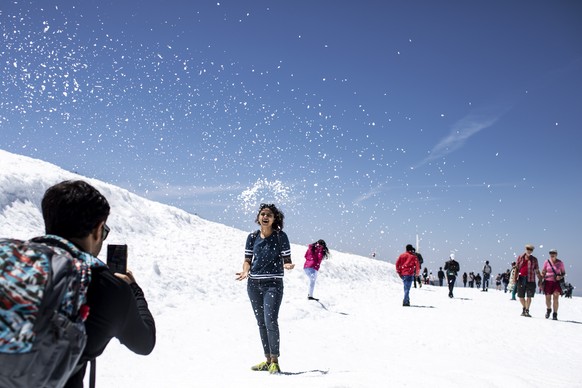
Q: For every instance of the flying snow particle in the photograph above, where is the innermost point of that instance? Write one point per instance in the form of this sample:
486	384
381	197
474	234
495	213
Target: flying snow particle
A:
264	191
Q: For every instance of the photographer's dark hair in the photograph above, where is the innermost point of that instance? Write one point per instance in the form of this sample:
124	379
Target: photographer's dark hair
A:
72	209
279	216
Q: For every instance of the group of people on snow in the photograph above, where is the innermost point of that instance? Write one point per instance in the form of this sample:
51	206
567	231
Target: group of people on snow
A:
521	280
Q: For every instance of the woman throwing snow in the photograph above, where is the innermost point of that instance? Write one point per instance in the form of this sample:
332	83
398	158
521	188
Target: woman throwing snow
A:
315	254
267	254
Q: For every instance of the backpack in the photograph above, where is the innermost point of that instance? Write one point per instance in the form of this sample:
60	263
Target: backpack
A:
452	268
487	269
43	287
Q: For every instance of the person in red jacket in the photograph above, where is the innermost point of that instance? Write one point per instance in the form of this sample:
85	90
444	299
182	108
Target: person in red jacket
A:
407	267
315	254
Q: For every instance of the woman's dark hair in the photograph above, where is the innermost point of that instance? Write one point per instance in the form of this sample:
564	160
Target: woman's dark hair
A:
320	243
72	209
279	216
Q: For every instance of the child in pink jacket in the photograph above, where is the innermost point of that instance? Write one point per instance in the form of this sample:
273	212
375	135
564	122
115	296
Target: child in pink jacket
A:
315	254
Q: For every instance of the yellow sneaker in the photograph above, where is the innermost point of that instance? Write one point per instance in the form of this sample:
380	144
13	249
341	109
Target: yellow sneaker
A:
263	366
274	368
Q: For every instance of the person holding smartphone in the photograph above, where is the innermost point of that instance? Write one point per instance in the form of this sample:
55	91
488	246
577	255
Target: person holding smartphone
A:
267	255
117	305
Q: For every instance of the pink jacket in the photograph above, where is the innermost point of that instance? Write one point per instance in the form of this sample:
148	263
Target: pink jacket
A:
558	266
313	260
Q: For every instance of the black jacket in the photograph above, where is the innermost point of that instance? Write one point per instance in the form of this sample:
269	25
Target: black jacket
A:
116	309
452	267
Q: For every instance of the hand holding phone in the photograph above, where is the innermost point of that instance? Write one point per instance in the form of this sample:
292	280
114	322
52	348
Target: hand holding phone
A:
117	258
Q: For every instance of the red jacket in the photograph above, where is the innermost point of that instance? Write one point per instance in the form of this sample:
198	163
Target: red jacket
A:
407	265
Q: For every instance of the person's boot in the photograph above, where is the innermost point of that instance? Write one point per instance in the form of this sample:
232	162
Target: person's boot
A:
523	312
527	313
548	311
555	316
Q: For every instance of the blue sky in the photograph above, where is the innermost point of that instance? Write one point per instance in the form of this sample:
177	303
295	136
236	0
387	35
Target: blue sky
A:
369	122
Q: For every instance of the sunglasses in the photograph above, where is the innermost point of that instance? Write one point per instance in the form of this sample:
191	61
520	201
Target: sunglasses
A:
264	205
105	231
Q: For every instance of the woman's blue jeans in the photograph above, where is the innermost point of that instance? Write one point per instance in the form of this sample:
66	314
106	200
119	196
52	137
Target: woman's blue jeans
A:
312	275
266	296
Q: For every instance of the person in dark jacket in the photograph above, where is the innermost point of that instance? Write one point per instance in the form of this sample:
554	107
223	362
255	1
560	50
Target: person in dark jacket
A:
441	275
452	268
76	211
267	256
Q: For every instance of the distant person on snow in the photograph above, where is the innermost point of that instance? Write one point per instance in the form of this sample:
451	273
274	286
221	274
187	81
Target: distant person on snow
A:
465	276
527	270
471	279
77	212
314	255
407	267
267	255
569	290
420	261
452	267
441	275
512	281
505	280
553	272
486	275
498	281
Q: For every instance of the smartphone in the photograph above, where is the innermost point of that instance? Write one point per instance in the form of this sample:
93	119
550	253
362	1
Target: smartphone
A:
117	258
